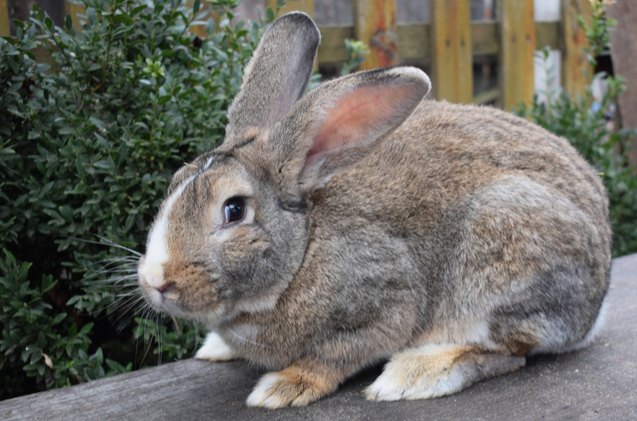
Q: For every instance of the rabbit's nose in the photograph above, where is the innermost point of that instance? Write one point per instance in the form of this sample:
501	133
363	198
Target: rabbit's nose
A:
165	287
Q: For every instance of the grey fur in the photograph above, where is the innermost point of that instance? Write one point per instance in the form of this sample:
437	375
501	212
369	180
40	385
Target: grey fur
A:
447	218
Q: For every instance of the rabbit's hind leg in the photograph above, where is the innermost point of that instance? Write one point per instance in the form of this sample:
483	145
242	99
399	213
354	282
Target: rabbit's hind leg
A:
436	370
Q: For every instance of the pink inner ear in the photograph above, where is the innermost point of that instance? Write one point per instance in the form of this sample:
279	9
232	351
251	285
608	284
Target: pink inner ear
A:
358	118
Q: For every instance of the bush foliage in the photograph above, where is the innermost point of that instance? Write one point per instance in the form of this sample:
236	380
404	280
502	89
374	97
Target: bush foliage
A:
93	125
584	121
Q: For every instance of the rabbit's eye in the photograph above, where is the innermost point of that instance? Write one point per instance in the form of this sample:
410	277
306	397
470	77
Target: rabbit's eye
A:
234	209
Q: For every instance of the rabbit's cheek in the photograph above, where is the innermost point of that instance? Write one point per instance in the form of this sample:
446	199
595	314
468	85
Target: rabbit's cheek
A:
193	291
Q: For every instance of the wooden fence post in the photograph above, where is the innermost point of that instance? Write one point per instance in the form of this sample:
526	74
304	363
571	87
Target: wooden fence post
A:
624	54
575	76
452	70
517	26
375	25
5	28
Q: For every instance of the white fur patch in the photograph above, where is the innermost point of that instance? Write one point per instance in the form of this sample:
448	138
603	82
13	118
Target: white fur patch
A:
215	348
475	331
262	393
208	163
435	370
389	387
157	249
407	376
479	333
597	326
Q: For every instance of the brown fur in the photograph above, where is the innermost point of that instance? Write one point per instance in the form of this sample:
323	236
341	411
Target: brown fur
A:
378	231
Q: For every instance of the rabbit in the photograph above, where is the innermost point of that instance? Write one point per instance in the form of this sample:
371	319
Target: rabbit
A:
360	223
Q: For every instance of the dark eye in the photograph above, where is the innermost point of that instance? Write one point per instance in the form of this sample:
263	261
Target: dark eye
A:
234	209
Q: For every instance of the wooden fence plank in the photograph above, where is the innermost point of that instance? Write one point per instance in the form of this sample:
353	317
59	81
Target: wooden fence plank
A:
306	6
485	38
199	30
624	53
413	42
74	10
548	35
575	78
452	71
332	47
375	25
5	29
517	52
413	45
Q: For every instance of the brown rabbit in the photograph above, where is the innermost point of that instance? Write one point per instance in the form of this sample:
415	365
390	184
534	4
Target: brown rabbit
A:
359	223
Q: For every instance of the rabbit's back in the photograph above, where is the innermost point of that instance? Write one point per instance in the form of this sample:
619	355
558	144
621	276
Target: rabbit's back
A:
445	155
497	214
466	147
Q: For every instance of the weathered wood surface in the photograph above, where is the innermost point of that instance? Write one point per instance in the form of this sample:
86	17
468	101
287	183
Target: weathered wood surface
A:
306	6
517	53
5	30
624	52
375	25
597	383
575	69
75	11
414	45
452	72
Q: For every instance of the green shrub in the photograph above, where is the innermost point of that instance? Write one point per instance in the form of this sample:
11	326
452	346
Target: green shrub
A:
583	121
92	126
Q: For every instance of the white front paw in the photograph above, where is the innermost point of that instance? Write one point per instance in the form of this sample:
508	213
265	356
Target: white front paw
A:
386	388
264	393
423	373
215	349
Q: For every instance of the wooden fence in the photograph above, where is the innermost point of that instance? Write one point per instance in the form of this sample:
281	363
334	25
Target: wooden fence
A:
450	43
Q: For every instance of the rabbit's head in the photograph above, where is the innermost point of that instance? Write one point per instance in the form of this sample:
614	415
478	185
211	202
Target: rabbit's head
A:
235	225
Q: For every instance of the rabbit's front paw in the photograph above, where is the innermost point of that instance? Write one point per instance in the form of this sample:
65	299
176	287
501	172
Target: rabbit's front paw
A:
290	387
215	349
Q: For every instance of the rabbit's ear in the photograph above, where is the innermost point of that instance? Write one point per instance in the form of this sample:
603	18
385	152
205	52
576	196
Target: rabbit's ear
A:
277	74
340	121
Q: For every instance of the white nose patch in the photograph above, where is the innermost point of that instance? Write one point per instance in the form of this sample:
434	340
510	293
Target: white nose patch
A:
157	248
153	274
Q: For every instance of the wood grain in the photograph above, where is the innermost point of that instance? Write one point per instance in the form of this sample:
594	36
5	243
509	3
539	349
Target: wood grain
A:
576	75
306	6
624	54
517	28
452	72
74	10
414	43
5	29
375	25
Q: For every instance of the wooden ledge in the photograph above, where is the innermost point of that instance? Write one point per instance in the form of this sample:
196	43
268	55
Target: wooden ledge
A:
599	382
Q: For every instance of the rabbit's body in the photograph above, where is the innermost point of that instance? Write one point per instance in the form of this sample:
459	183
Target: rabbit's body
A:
327	235
481	229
